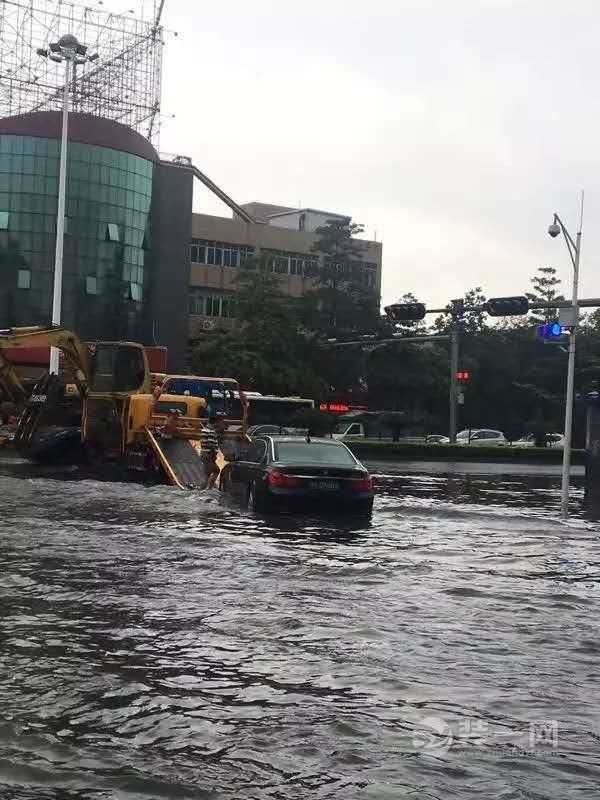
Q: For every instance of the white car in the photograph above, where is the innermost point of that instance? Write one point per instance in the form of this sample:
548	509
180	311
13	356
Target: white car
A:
556	440
482	437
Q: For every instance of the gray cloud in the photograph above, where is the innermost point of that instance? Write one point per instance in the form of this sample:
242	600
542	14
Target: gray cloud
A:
453	130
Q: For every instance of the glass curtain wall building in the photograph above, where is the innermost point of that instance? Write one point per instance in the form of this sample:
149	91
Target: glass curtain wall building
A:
107	246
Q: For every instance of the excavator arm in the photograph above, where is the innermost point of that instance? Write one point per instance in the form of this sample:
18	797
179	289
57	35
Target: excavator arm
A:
75	353
11	387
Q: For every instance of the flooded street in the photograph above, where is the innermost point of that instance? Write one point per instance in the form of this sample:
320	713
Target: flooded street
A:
163	644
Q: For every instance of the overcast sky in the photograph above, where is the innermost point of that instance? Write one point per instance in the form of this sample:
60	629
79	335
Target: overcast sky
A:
451	129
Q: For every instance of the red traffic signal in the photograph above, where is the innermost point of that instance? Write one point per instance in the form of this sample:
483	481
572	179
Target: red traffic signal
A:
463	376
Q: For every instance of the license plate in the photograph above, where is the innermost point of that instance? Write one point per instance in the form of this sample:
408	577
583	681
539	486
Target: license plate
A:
326	485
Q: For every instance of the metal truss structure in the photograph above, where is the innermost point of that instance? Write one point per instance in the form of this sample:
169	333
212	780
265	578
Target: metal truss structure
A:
123	83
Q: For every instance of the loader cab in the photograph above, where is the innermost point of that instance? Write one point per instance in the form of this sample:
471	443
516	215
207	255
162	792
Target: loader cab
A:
146	412
118	367
219	393
117	372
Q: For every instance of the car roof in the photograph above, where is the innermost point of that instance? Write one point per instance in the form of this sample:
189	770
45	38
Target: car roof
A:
201	378
479	430
313	439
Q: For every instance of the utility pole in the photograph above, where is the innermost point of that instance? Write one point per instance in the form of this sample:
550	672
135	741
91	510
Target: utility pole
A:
457	309
574	248
452	428
70	52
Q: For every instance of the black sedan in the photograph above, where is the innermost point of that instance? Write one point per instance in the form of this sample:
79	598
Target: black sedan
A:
286	471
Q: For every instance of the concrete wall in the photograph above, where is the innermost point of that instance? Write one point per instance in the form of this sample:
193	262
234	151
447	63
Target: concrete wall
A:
312	220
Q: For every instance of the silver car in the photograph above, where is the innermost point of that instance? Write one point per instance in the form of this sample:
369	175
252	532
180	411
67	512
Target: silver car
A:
482	437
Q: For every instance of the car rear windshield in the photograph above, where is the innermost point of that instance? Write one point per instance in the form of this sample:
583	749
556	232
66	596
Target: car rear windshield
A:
313	453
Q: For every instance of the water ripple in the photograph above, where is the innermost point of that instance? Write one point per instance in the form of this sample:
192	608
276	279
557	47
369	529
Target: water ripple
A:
162	644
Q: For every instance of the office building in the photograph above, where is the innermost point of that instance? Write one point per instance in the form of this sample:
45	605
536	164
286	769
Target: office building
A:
138	264
285	237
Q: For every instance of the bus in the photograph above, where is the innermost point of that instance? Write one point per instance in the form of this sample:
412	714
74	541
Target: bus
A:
223	398
267	409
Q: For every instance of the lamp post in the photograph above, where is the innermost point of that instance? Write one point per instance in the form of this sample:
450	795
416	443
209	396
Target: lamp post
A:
574	247
70	52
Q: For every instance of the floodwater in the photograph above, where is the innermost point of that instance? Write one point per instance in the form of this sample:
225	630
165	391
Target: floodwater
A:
162	644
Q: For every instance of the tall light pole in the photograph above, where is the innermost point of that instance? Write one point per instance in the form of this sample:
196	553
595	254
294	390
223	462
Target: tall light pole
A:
574	248
70	52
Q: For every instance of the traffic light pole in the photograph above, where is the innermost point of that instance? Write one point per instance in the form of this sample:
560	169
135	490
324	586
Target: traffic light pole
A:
452	428
566	465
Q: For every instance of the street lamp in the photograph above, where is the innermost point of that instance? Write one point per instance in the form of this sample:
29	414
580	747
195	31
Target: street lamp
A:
70	52
574	247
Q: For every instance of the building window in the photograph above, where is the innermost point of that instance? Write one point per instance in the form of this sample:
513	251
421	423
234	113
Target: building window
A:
112	232
246	255
4	219
219	253
296	265
230	256
214	254
311	267
196	301
228	307
213	306
284	263
281	265
91	284
210	305
135	292
198	251
24	279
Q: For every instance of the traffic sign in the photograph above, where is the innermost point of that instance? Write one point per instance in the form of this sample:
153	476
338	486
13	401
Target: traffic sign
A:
552	331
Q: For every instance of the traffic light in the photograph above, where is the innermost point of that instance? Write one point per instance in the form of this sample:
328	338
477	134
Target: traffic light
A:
406	312
463	377
551	331
507	306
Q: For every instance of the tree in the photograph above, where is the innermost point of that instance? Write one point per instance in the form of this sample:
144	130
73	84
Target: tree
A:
336	243
470	321
545	290
264	350
410	328
340	302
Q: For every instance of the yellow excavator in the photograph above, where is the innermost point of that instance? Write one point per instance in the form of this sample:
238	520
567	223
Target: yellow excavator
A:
119	419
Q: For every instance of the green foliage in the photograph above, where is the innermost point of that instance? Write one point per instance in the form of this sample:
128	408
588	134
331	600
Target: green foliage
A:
265	350
339	304
517	382
545	289
471	321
